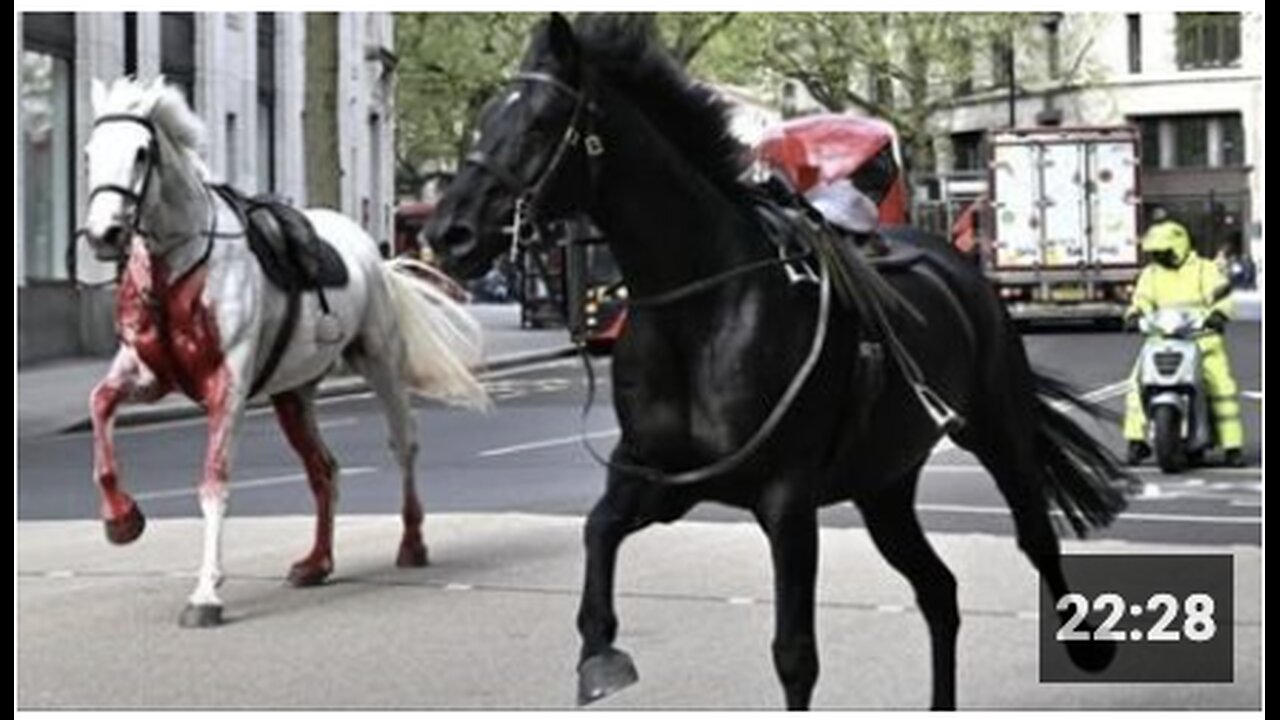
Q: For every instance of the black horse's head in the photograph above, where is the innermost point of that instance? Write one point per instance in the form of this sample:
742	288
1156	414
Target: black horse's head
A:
534	139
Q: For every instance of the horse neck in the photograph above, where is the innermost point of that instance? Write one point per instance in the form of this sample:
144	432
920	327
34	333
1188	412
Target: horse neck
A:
179	214
667	224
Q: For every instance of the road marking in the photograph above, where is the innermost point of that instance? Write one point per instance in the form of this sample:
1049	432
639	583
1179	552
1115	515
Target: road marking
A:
542	444
1107	392
891	609
1252	395
740	601
60	574
338	422
1134	517
458	586
251	484
1246	503
527	369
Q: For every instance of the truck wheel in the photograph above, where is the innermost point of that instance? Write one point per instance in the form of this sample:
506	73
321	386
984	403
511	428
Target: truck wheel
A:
1168	440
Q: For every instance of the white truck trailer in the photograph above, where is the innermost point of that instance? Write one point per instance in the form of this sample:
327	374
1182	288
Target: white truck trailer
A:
1065	204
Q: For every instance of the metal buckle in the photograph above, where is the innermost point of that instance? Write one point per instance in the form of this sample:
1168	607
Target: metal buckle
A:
595	148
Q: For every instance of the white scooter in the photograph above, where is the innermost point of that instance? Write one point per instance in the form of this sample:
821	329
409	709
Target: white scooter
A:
1171	385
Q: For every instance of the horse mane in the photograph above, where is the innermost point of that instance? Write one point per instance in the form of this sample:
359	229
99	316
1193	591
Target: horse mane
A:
630	56
165	106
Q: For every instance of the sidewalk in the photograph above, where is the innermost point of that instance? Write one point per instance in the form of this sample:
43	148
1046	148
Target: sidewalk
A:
491	623
53	397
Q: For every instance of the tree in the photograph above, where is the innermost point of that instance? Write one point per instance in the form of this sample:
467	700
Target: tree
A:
450	64
902	67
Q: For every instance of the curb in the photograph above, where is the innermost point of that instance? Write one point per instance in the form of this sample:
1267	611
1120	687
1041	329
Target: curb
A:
332	387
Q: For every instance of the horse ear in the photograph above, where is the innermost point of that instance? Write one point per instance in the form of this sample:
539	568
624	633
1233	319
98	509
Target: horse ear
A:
564	45
98	96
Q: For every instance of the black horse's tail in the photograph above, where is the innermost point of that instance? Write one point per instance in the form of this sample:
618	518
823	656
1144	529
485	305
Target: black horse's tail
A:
1081	476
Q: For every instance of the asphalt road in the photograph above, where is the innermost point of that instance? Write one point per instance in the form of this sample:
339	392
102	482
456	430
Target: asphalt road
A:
490	624
525	456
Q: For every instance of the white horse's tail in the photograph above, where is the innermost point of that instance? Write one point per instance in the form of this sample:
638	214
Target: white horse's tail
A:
444	344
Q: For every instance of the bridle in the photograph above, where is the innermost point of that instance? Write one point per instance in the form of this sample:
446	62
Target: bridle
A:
526	227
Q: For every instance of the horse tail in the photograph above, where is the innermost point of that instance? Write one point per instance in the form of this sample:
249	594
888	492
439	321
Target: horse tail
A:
1082	477
443	342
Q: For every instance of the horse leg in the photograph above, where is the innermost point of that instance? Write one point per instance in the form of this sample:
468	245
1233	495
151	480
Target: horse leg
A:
791	524
891	520
127	381
295	411
1009	455
224	399
382	370
629	504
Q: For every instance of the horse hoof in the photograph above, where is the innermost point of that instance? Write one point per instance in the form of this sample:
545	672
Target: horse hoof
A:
1093	656
411	556
602	675
127	528
200	616
309	574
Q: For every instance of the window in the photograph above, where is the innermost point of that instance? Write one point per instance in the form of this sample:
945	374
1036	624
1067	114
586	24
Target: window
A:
1191	142
47	63
1135	42
266	150
1001	62
232	147
131	44
967	150
1149	128
1232	138
1208	40
964	68
178	51
881	87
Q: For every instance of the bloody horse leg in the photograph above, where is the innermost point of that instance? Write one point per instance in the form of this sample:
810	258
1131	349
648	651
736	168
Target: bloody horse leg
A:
296	412
381	366
127	381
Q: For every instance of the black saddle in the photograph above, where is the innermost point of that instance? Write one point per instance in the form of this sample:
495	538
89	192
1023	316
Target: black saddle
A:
292	256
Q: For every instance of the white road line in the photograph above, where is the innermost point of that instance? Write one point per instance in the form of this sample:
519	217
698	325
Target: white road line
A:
250	484
338	422
1134	517
527	369
1252	395
542	444
740	600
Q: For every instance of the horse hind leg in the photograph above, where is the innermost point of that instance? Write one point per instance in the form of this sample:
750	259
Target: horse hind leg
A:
1007	450
382	369
895	529
295	410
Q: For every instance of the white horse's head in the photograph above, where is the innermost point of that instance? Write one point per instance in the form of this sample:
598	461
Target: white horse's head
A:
144	166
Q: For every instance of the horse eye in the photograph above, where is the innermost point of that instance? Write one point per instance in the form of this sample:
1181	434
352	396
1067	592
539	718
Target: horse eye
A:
142	155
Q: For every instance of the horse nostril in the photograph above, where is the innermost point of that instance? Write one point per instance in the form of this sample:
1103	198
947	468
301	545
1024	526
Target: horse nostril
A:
113	237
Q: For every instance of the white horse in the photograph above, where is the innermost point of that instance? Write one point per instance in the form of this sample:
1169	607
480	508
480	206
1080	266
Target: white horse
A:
195	312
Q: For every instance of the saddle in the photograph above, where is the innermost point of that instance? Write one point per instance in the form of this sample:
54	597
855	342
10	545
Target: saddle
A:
292	256
294	259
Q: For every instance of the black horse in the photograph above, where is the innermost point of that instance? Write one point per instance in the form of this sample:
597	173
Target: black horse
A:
722	391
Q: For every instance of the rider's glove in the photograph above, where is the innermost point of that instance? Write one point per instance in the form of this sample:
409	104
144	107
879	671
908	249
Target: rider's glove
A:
1216	321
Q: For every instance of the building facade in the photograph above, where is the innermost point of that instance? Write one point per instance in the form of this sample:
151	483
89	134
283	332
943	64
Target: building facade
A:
246	76
1191	82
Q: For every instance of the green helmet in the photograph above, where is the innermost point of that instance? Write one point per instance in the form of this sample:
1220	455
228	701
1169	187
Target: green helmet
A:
1170	236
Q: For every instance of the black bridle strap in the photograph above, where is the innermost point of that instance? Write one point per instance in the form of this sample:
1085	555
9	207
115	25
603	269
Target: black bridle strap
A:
136	197
704	284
